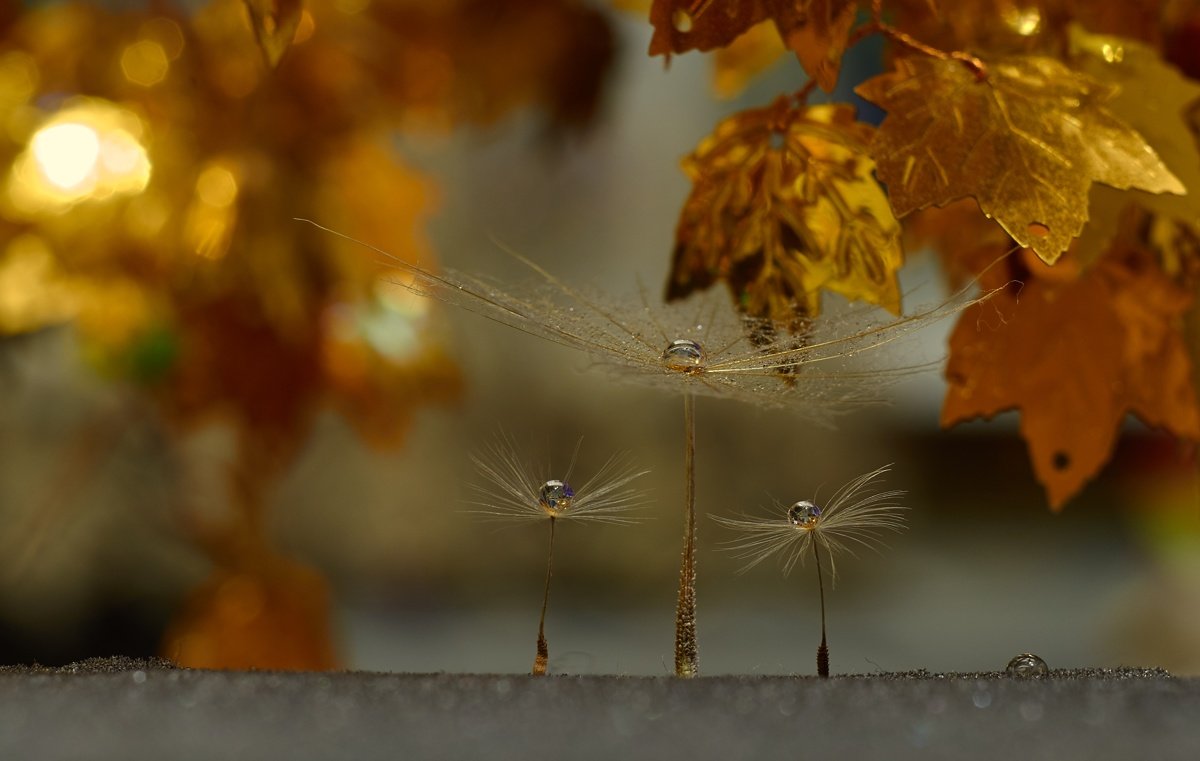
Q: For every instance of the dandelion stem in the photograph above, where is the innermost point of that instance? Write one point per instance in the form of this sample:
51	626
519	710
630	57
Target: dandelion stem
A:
686	657
542	660
823	650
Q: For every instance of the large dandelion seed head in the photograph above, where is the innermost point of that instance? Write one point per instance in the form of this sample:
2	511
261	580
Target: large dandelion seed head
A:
699	346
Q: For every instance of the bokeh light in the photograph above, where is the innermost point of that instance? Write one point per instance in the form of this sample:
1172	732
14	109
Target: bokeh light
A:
90	150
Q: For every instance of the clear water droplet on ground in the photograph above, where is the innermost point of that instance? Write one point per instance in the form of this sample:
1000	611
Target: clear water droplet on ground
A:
1027	664
804	514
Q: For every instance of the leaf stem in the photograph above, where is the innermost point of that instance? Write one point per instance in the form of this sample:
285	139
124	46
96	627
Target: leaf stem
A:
686	655
542	660
801	95
878	26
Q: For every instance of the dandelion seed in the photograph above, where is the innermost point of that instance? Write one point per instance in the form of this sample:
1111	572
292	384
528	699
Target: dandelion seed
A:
699	347
856	515
515	490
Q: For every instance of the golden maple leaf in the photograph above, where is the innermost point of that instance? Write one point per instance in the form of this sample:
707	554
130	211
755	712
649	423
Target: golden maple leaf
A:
815	30
784	204
1152	99
1075	350
1027	141
1022	26
274	23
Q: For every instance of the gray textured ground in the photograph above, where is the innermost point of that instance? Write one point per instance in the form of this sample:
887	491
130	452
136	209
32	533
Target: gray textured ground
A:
133	710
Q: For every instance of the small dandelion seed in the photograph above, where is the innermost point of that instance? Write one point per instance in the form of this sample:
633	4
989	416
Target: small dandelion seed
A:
516	490
856	515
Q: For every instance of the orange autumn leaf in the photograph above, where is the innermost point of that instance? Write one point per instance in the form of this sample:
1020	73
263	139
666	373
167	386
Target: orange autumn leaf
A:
273	614
475	61
381	363
1027	141
819	41
274	23
380	352
1075	351
783	205
815	30
235	366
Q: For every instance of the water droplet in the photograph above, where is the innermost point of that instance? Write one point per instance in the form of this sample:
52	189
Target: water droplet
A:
681	20
556	496
804	514
1027	664
982	699
1038	230
139	677
683	354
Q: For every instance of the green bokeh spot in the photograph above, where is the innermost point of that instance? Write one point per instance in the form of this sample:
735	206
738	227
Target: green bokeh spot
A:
153	355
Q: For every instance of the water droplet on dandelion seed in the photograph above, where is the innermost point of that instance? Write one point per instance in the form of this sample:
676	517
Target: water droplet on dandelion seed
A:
683	354
556	496
1027	664
804	514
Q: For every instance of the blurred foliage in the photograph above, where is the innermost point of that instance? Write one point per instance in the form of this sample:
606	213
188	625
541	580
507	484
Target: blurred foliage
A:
154	161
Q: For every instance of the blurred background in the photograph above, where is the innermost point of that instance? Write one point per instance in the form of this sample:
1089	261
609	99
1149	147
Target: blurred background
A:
227	438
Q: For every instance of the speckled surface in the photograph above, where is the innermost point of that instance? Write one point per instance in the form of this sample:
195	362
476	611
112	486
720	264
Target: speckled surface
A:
128	710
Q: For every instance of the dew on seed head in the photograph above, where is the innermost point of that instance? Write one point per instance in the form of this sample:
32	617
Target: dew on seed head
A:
683	354
804	514
555	496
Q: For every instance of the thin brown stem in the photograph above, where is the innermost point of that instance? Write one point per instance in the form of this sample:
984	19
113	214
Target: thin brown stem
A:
823	649
542	660
801	95
977	67
878	26
686	656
